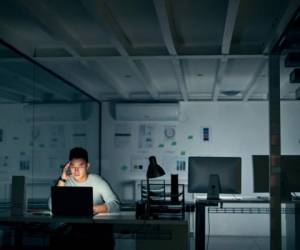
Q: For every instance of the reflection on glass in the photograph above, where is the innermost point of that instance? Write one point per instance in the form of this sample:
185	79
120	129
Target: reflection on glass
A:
42	118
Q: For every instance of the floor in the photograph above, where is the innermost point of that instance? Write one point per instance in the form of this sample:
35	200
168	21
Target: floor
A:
235	243
217	243
213	243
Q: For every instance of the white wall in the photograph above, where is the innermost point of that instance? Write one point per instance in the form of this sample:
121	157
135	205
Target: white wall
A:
49	148
237	129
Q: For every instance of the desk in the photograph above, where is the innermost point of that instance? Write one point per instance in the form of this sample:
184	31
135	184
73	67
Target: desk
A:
201	204
175	231
293	226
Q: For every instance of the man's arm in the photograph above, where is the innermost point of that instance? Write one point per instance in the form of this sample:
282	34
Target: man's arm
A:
61	181
98	209
111	204
64	176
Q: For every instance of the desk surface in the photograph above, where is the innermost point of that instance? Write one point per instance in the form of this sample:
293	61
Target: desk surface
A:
109	218
242	200
236	200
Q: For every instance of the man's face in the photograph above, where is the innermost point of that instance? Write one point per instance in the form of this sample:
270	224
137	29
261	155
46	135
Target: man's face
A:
78	168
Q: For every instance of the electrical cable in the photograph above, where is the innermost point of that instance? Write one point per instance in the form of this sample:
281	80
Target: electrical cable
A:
208	234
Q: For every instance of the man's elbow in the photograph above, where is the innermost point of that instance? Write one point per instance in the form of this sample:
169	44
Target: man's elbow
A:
113	206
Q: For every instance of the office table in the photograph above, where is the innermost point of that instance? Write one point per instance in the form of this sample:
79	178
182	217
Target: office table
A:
150	234
201	204
293	226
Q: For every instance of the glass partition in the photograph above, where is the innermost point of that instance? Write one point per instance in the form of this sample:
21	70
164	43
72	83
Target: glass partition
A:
42	117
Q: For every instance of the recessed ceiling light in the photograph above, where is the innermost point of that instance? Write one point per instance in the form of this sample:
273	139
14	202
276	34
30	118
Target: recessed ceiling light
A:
230	92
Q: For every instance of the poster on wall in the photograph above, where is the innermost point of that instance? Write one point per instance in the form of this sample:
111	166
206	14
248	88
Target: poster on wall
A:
57	137
56	163
4	162
24	163
174	164
139	164
146	136
79	136
37	136
169	133
206	134
122	136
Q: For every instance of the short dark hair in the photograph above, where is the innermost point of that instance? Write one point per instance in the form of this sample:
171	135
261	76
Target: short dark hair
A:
78	153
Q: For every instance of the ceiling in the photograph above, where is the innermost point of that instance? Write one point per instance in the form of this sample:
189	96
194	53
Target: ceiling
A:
151	50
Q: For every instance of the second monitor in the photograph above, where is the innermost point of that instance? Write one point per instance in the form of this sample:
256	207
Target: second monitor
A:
290	165
227	171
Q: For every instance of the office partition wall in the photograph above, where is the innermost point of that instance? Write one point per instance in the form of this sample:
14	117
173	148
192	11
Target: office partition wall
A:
42	117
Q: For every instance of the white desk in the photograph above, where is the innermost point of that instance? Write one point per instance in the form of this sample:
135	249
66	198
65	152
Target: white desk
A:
150	234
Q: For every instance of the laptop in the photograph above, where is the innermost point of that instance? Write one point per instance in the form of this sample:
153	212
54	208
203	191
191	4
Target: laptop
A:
72	201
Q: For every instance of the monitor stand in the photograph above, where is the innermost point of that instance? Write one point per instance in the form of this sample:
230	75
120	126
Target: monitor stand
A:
285	194
214	187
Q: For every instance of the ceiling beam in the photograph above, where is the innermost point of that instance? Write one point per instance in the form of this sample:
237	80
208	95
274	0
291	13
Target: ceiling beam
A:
8	89
35	83
220	71
180	76
282	24
88	87
254	80
146	57
110	76
143	69
231	15
22	85
11	36
55	26
163	14
10	96
102	15
186	72
232	12
168	33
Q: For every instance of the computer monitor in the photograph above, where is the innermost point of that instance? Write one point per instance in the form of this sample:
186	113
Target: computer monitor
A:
260	173
290	165
228	169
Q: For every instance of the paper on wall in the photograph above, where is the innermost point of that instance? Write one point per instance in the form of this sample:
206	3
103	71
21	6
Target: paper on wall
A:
79	135
174	164
57	137
122	137
146	136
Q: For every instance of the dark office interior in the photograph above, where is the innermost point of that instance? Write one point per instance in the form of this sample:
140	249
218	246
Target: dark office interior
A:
150	124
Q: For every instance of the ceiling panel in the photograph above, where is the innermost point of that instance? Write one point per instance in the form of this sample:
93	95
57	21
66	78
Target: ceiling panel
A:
238	74
199	23
142	33
261	86
200	75
14	18
126	57
163	75
124	75
255	23
80	76
80	23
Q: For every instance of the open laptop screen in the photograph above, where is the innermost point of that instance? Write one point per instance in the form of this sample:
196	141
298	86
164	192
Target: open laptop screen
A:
72	201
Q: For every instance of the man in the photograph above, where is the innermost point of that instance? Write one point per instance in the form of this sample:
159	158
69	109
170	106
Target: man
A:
75	173
104	198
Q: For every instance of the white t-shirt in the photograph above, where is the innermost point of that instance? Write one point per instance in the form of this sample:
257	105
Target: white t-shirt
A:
102	192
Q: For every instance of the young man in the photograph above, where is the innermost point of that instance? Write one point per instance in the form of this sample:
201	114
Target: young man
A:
75	173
